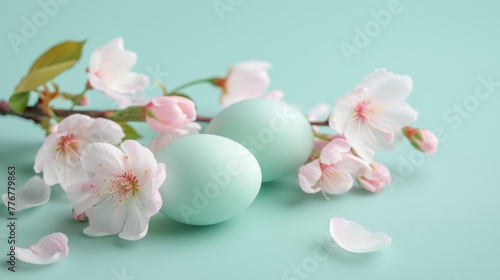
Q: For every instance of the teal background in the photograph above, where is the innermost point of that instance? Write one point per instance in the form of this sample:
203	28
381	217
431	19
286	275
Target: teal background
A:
442	213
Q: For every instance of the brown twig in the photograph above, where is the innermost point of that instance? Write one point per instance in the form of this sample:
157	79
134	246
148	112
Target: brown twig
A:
36	114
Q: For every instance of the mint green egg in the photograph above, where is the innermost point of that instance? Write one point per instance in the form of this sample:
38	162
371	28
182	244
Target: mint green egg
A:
278	135
210	179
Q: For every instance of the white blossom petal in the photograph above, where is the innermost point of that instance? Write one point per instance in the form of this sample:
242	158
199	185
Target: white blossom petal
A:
136	222
356	138
46	151
49	249
75	124
398	112
87	193
355	165
103	159
336	180
104	130
140	160
309	174
33	193
342	113
333	151
389	85
353	237
105	219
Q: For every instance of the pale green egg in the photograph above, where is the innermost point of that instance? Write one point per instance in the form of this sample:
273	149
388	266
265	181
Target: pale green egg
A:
278	135
210	179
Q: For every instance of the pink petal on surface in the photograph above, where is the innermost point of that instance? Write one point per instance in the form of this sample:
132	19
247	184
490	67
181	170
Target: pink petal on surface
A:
33	193
50	249
355	238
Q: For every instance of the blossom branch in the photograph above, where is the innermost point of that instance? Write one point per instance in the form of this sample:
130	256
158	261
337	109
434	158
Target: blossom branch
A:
36	114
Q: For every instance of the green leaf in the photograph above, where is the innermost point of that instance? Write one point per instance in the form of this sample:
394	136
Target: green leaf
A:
48	66
41	76
61	53
18	102
129	114
130	132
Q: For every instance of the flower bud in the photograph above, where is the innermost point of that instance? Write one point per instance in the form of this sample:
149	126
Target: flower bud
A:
80	218
168	114
375	179
84	101
422	139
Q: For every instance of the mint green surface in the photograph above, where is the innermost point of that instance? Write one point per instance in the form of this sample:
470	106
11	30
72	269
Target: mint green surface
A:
210	179
279	136
442	211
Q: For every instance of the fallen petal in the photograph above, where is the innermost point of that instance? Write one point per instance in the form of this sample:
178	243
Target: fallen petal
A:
354	237
50	249
34	193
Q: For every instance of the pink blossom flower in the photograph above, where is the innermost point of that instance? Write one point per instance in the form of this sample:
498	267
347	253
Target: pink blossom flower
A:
376	178
170	114
123	193
371	116
49	249
246	80
422	139
59	156
109	72
333	171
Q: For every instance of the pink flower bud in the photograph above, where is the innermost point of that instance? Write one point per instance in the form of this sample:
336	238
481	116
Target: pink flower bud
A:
375	179
79	217
422	139
169	114
84	101
53	128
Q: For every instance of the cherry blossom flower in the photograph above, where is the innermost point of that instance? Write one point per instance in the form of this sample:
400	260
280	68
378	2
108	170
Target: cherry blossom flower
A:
246	80
33	193
59	156
123	193
170	114
109	72
376	178
372	115
355	238
49	249
422	139
333	171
